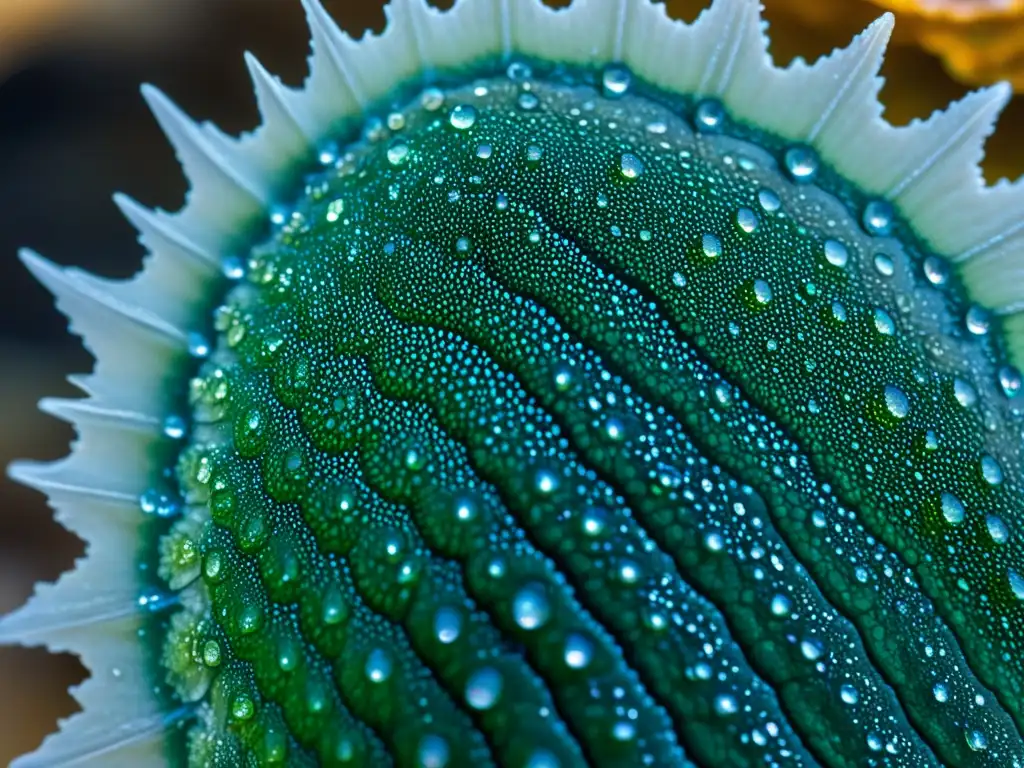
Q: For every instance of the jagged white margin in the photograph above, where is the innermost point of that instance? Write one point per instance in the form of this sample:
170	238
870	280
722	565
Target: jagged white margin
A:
138	329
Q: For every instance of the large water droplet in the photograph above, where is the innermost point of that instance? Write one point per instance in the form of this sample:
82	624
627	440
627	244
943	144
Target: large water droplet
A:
991	472
433	752
997	529
976	740
952	509
725	705
977	321
483	688
462	117
630	166
848	694
1010	380
615	81
578	651
896	402
709	116
802	163
447	624
836	253
1016	583
878	218
378	666
941	692
711	245
530	607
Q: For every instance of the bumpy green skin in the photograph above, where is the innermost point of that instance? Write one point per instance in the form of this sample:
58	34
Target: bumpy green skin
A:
546	432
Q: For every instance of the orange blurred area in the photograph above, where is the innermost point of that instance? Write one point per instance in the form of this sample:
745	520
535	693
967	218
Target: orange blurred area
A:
73	130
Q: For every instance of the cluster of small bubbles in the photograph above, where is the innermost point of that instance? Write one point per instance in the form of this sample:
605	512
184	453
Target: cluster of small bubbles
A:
878	218
836	253
801	163
462	117
630	166
615	81
709	116
159	504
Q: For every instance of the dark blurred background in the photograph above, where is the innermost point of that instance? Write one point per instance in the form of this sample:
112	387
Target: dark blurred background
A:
73	130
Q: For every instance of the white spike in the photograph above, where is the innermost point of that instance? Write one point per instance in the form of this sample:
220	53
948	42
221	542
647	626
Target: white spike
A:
587	33
46	478
161	232
138	354
470	33
84	411
220	178
827	104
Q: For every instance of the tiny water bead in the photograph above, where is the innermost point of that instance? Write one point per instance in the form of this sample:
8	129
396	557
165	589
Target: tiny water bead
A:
565	428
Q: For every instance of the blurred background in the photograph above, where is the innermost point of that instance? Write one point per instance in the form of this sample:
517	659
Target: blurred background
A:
73	130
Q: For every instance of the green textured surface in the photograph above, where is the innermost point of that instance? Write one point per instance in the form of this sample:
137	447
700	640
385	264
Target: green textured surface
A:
544	432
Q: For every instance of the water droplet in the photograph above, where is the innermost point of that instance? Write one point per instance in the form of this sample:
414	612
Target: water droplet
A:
232	267
976	740
242	707
884	324
211	653
769	200
781	605
198	346
711	245
615	81
678	279
398	153
848	694
940	692
977	321
528	101
997	529
462	117
936	270
838	312
1016	583
534	154
432	752
884	264
546	482
725	705
964	393
1010	380
578	651
710	116
952	509
623	731
878	218
991	472
812	648
836	253
530	607
896	402
631	166
802	163
541	758
714	542
594	522
746	220
378	666
518	72
447	625
762	292
483	688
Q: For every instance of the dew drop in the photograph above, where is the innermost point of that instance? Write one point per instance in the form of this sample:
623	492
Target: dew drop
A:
175	427
768	200
528	101
836	253
991	472
378	666
711	245
483	688
884	264
936	271
211	653
848	694
884	324
1010	380
615	81
976	740
781	605
725	705
997	529
578	651
941	692
542	758
896	402
977	321
462	117
710	116
802	163
964	393
530	607
812	649
952	509
630	166
447	625
398	153
1016	583
878	218
746	220
432	752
